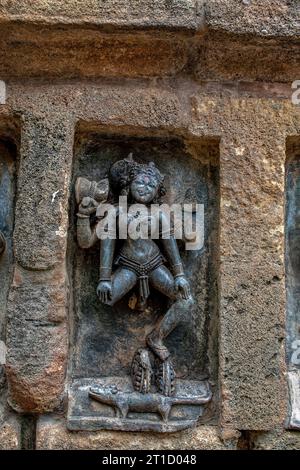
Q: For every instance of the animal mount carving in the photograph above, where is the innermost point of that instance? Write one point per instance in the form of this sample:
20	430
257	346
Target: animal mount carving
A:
124	402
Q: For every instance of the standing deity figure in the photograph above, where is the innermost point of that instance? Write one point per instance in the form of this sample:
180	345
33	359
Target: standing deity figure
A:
138	261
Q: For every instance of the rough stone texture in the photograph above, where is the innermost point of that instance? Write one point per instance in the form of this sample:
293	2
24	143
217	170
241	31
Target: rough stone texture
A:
240	58
188	14
37	341
89	53
149	39
252	301
230	81
52	434
36	330
267	18
276	440
44	176
10	434
264	18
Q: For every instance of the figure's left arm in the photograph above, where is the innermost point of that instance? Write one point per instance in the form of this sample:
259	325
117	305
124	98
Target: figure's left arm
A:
173	255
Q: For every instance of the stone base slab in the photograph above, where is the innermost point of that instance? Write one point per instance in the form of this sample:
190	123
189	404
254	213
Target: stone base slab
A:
52	434
88	414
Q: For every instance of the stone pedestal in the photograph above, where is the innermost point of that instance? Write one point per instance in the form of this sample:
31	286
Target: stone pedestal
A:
92	406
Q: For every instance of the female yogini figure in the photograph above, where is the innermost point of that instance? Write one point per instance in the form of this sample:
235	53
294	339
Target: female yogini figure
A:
141	261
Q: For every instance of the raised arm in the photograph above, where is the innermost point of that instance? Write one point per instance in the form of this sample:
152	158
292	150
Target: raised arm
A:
86	235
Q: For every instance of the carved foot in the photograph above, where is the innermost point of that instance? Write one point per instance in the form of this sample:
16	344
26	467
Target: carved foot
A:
165	377
156	345
141	371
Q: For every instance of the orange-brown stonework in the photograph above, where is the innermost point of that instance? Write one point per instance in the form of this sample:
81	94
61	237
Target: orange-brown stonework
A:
194	71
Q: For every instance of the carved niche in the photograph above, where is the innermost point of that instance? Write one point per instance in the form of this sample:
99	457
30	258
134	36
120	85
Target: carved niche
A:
7	198
143	339
292	232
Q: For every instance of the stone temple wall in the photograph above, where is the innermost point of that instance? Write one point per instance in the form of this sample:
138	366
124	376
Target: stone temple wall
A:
215	76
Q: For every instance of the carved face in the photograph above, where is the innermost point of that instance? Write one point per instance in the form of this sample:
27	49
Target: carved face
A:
144	188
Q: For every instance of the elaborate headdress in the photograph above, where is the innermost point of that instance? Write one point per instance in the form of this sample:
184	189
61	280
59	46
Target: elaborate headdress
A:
123	172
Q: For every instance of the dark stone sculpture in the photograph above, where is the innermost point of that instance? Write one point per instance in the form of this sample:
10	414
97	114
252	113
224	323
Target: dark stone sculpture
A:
139	262
115	405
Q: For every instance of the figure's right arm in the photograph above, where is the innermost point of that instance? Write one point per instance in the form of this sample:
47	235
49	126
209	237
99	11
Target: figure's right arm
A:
86	235
104	289
107	249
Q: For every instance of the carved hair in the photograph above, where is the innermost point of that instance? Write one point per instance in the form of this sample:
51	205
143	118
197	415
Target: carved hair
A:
123	172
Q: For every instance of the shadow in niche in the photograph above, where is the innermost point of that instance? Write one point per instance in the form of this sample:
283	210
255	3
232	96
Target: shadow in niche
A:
292	265
104	339
9	144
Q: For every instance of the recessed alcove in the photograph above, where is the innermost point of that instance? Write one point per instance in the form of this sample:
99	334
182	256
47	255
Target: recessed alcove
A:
9	144
292	264
103	339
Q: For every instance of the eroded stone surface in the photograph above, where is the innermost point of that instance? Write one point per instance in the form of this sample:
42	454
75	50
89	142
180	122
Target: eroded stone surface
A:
41	212
240	58
218	39
52	434
177	13
276	440
37	346
252	308
267	18
10	434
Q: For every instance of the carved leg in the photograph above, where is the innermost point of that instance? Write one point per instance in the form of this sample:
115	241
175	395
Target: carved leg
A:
162	280
123	280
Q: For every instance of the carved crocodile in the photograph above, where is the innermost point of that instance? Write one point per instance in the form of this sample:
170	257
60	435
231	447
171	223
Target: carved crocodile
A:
123	402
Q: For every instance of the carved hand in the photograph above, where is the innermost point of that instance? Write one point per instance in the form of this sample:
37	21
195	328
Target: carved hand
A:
87	206
182	285
104	291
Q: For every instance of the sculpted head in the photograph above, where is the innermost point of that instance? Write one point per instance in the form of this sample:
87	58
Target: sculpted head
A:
143	182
